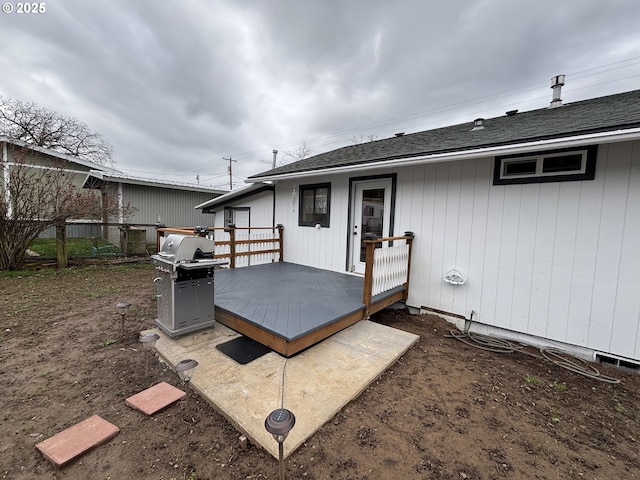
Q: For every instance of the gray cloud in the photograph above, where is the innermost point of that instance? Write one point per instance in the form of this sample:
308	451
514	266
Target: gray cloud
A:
198	80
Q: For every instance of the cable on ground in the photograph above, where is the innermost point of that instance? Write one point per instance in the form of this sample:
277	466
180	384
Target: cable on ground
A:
553	355
576	365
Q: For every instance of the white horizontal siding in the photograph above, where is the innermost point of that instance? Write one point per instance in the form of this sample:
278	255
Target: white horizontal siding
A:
323	247
554	260
615	303
625	332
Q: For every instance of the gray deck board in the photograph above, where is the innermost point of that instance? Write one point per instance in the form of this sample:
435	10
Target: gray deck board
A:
287	299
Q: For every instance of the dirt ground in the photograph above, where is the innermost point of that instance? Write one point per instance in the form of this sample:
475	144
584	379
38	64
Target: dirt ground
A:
445	410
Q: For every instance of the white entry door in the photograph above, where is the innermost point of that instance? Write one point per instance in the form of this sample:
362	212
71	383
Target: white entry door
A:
370	213
241	217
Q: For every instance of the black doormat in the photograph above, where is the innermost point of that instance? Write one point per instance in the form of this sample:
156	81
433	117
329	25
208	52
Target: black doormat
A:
243	349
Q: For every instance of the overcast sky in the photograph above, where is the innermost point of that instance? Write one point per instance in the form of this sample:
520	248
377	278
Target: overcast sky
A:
176	85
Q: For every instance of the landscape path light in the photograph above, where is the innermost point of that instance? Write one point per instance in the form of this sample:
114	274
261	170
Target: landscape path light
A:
279	423
148	342
184	369
123	308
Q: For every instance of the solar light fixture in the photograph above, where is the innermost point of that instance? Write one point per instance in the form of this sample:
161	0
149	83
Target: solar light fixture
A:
184	369
148	342
279	423
123	308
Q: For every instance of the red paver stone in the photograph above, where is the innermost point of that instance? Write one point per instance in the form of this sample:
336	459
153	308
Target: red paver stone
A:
155	398
76	440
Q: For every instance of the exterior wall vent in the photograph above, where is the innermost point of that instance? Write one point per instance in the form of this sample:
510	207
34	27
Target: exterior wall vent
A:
477	124
626	363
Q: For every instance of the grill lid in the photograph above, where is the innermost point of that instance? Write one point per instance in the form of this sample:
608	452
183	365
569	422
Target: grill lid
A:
182	248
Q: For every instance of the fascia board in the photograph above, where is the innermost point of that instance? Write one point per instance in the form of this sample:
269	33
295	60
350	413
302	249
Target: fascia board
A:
566	142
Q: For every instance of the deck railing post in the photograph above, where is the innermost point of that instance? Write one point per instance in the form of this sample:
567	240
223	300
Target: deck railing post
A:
159	234
280	228
231	230
410	236
370	246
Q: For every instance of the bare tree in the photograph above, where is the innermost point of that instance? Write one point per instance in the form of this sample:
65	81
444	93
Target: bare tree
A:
301	152
362	138
35	125
36	195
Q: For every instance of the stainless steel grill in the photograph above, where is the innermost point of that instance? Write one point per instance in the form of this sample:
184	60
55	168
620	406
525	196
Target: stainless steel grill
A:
184	284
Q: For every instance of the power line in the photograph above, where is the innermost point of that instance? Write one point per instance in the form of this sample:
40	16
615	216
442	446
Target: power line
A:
441	114
449	107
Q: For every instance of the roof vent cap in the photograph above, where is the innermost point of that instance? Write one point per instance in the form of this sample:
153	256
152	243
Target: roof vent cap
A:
399	134
556	85
511	113
477	124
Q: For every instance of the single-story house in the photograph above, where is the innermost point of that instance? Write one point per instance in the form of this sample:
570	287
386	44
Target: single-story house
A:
17	154
527	224
155	201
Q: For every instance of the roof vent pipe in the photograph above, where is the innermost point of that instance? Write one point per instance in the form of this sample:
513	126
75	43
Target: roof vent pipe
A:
477	124
556	85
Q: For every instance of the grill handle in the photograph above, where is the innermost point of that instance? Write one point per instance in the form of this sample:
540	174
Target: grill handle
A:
155	280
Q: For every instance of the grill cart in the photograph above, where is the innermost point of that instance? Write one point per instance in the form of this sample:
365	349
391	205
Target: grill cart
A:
184	284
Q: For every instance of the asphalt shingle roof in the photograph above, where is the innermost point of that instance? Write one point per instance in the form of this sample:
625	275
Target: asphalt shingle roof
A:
613	112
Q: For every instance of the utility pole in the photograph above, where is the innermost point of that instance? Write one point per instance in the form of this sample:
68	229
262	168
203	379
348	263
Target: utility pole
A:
231	161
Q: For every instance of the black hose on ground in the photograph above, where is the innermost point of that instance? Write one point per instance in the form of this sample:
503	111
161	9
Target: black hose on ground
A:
484	342
555	356
576	365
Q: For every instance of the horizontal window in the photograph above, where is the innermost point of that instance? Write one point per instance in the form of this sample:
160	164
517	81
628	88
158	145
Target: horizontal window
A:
553	166
315	202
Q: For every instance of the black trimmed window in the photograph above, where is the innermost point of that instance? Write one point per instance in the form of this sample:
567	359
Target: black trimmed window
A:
315	203
569	164
228	216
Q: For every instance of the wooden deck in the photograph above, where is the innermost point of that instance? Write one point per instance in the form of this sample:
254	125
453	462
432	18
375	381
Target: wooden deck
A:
290	307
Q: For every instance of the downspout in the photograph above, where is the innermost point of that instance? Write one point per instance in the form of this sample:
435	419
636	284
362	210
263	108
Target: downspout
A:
273	193
273	212
105	217
5	177
120	204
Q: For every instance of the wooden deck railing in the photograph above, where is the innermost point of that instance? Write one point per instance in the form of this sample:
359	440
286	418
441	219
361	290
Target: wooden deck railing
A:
241	246
387	259
387	266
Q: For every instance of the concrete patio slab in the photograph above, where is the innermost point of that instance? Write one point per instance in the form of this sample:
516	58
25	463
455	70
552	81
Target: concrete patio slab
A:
76	440
155	398
314	385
